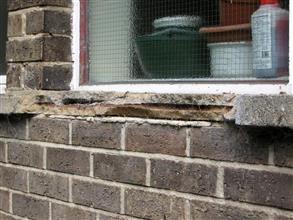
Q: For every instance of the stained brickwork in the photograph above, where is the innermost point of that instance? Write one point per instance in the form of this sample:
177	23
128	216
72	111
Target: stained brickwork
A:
55	172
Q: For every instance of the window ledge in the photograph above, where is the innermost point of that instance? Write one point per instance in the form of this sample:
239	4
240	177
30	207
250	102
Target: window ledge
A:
265	110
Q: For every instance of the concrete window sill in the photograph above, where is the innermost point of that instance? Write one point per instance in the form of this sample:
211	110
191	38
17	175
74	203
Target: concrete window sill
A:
262	110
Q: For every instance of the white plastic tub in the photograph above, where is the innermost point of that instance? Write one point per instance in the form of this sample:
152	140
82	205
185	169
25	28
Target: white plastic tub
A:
231	59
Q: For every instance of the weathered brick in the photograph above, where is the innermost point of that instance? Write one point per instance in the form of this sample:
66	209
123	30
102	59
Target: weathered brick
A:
4	201
39	76
60	212
13	126
184	177
156	139
96	195
4	216
154	206
68	161
2	151
230	143
25	50
96	134
57	77
48	21
19	4
53	48
26	206
49	130
283	147
120	168
204	211
25	154
260	187
14	74
13	178
49	185
15	25
57	49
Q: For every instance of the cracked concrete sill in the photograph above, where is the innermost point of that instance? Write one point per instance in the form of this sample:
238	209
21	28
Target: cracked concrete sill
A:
272	111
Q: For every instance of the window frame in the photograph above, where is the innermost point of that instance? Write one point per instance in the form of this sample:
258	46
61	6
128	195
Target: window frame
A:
208	86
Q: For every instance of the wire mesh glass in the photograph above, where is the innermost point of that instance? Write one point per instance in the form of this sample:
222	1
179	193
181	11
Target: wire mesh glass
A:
133	40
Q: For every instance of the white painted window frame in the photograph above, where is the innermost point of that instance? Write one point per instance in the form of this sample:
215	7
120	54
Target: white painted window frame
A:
2	84
204	87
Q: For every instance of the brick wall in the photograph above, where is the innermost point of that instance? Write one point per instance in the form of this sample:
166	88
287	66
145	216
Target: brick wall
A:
79	168
127	168
38	50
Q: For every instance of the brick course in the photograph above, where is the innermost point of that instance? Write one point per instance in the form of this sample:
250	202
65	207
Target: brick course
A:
118	184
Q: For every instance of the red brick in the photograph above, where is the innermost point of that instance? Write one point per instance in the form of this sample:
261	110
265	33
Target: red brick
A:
156	139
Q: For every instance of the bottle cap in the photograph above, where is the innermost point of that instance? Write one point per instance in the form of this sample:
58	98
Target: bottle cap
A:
269	2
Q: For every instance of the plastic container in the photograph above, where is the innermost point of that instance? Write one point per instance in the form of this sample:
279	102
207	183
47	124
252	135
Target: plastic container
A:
231	59
270	33
234	12
175	50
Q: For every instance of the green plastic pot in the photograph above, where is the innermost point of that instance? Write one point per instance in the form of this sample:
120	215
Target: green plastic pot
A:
175	50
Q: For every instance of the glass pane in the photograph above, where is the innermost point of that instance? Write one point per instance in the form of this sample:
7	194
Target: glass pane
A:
133	40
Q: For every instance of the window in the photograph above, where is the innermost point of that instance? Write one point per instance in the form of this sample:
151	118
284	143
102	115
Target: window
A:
200	44
3	37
